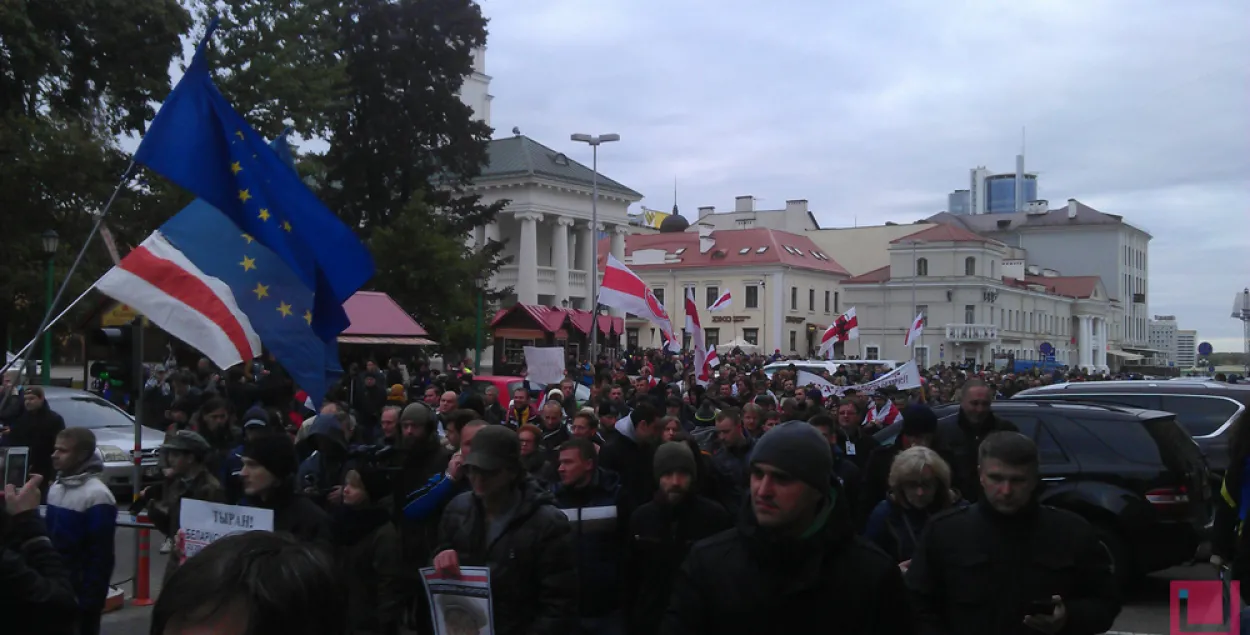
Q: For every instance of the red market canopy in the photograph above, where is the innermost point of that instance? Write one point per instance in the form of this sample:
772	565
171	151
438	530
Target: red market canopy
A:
552	319
377	319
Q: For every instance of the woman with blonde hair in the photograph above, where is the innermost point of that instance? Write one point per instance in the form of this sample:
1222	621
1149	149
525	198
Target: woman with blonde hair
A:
920	487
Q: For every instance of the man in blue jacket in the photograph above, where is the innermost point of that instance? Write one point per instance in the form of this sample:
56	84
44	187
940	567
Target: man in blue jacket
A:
82	519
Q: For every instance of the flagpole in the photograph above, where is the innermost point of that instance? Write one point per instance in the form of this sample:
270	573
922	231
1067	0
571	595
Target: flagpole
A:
82	251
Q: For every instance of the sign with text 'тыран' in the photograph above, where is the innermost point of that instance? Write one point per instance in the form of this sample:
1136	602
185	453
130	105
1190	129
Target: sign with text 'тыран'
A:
204	523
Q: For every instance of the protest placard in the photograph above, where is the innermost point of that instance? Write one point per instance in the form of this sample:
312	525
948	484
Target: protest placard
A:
204	523
460	606
904	377
545	364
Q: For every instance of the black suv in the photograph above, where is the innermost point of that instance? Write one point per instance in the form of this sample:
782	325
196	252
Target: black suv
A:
1134	474
1206	409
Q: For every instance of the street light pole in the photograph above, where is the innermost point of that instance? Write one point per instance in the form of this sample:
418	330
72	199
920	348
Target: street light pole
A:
50	243
594	142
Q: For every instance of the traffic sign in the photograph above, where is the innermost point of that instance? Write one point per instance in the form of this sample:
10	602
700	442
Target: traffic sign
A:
1046	349
1211	368
1205	349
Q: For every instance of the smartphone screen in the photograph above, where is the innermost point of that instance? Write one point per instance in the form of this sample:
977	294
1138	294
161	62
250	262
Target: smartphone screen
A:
15	466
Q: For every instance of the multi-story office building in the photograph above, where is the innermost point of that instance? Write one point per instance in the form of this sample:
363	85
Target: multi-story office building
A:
1186	348
1163	339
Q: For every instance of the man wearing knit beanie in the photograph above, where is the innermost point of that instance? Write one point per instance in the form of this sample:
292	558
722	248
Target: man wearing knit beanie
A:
795	544
661	533
269	466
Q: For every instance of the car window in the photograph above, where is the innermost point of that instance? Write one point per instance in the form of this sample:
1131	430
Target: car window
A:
87	411
1199	415
1097	440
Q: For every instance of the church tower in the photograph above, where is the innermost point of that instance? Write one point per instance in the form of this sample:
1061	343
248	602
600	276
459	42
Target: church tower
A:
475	92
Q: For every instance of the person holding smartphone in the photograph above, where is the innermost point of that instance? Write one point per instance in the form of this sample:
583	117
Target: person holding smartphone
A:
36	595
1008	564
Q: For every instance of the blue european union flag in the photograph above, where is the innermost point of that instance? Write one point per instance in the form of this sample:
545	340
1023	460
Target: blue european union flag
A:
200	143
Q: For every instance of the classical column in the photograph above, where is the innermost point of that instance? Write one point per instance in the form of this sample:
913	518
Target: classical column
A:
527	258
1084	342
618	241
560	258
1100	343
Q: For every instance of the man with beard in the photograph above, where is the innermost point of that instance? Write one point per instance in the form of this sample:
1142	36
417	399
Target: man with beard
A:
521	411
661	533
960	434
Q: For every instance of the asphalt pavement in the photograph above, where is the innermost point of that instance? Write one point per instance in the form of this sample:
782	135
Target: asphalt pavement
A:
133	620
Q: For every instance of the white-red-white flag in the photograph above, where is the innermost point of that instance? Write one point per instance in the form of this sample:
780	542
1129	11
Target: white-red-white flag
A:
703	361
846	327
623	289
913	334
160	282
721	303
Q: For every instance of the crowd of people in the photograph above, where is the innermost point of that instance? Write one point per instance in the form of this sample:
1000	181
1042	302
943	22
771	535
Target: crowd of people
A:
655	505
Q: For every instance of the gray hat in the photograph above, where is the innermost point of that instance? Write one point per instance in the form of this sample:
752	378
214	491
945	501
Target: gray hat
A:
796	448
495	447
674	456
418	412
187	441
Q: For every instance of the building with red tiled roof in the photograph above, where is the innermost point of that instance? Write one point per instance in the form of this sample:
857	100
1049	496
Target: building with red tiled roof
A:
981	303
785	288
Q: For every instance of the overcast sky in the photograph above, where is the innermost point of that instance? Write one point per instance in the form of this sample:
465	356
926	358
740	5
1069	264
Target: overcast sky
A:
875	111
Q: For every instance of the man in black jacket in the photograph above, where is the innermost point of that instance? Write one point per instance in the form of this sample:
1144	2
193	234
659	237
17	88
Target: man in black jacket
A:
793	561
631	457
661	533
1008	564
960	434
35	592
36	428
510	524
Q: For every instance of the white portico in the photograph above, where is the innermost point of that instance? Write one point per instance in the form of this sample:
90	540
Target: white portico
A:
546	225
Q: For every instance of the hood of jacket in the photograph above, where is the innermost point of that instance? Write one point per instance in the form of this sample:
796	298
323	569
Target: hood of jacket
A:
91	468
326	426
801	556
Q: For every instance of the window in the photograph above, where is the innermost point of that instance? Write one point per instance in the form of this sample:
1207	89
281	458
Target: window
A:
836	302
970	266
686	338
794	301
872	352
752	336
970	314
711	338
659	294
921	356
1048	449
1199	415
811	300
631	338
826	301
922	267
713	294
993	266
753	297
793	339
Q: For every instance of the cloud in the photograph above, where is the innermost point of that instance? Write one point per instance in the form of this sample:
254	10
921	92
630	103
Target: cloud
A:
875	111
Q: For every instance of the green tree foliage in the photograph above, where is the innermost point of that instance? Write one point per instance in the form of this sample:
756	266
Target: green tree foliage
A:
379	81
73	77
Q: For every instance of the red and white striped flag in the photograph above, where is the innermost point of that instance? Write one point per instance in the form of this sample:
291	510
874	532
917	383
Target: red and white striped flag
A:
846	327
623	289
721	303
913	334
703	360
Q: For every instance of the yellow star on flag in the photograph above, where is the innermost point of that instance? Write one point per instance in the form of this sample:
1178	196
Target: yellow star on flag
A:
264	213
284	309
308	317
261	291
235	168
248	264
244	195
248	238
238	133
286	225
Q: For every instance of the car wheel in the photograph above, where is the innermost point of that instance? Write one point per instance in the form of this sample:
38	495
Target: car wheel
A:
1122	567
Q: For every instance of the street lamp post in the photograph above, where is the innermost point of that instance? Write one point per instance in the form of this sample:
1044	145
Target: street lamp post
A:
594	142
50	243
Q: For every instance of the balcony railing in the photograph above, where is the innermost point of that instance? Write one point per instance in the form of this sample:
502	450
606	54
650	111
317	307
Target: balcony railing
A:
577	279
547	275
972	332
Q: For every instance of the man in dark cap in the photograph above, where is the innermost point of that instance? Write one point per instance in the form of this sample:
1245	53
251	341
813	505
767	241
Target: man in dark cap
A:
609	413
268	476
661	533
185	477
507	514
793	554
